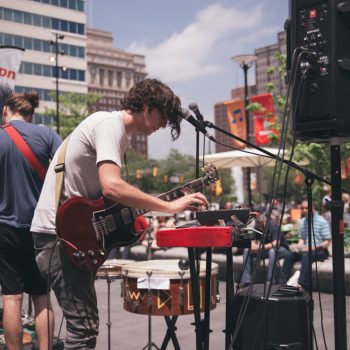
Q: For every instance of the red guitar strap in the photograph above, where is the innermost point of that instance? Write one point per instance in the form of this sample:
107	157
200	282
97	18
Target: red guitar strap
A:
25	150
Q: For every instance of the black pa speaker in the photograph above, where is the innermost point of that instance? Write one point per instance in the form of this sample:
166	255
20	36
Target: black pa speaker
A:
322	106
279	322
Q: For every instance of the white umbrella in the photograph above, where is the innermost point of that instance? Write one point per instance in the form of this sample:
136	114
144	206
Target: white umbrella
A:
247	158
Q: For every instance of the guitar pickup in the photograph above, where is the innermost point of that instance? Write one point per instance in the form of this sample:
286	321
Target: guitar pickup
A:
110	223
126	216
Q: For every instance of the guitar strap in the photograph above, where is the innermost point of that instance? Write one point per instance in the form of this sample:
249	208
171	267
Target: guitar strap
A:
59	170
26	151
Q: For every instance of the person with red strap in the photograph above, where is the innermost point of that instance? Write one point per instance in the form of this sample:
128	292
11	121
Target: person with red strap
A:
25	152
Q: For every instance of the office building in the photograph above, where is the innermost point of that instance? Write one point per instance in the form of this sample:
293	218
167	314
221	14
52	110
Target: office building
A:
111	73
267	59
43	27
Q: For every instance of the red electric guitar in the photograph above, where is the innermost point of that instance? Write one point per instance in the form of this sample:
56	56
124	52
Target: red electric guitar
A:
90	228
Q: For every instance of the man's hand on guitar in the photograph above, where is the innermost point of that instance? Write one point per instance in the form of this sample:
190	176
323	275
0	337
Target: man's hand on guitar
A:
190	201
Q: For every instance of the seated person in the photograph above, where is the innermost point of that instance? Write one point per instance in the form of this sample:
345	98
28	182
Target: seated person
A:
269	248
320	243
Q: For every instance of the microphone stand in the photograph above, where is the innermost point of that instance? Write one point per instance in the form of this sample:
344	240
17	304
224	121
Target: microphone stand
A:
194	272
337	233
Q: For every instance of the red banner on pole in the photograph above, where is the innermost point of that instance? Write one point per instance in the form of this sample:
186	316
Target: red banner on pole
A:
237	120
264	119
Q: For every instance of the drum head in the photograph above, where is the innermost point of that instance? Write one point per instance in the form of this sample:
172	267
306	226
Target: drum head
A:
112	268
167	268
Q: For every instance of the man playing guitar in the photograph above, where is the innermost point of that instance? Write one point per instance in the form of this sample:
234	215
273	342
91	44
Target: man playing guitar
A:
93	169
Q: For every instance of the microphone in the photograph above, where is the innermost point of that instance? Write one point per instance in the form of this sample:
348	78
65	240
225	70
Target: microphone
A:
194	108
189	117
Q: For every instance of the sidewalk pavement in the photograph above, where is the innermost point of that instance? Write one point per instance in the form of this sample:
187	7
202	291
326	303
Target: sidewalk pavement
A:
129	331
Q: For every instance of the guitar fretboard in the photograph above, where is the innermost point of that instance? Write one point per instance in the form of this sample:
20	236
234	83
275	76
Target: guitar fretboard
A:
193	186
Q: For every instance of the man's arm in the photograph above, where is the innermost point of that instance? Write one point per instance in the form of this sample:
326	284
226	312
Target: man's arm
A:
118	190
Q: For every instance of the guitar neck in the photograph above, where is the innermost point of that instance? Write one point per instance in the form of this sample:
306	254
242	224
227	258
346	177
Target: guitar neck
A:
193	186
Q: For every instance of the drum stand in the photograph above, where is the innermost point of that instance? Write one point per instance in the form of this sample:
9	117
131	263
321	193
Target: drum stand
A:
109	323
150	344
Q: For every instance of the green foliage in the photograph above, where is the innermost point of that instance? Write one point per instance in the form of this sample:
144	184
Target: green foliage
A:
175	166
73	109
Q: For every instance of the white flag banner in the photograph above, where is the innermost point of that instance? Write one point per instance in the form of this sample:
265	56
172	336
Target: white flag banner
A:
10	61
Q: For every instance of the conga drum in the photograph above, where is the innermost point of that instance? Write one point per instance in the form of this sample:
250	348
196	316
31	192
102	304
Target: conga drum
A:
112	268
161	288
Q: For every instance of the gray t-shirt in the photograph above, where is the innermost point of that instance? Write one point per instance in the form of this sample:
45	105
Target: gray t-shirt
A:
100	137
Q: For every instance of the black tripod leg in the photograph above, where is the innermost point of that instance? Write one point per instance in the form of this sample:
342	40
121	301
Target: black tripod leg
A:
229	297
170	333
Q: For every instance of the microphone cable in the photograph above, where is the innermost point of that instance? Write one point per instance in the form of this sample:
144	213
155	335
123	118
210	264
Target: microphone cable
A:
273	195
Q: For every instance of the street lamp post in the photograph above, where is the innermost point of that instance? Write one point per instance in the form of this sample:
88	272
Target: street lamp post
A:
57	67
245	62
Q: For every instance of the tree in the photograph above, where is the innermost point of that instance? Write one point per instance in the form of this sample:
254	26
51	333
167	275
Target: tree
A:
177	169
73	109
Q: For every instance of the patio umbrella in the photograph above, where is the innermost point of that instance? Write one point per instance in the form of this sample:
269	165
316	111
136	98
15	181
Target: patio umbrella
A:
247	158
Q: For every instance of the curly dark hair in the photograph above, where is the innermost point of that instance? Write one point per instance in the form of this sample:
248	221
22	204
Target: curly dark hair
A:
155	94
23	103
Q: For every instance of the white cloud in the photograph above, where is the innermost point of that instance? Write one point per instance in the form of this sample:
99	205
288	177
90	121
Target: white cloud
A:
191	53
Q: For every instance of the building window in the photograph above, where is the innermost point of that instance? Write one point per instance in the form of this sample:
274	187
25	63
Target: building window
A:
110	78
102	76
119	79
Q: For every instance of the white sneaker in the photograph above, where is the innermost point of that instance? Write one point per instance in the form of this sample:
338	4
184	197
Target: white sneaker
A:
293	281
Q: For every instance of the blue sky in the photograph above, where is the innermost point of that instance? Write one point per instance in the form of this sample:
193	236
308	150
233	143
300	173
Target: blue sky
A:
188	45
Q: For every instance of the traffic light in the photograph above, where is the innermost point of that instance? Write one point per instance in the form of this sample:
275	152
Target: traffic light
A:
138	174
155	171
218	188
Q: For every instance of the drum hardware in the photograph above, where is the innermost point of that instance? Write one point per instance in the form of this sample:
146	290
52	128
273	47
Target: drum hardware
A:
150	343
110	271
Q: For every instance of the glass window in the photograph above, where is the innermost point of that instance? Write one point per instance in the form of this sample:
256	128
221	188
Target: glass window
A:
48	95
54	23
46	21
27	68
8	15
47	70
64	26
81	52
73	27
37	20
73	50
64	48
81	75
46	46
18	41
73	74
8	39
80	5
110	78
45	1
72	4
1	12
28	43
18	16
28	18
119	79
37	69
81	29
64	3
37	45
64	74
54	2
102	76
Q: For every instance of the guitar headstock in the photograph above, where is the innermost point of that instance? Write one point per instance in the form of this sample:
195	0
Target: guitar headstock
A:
210	174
